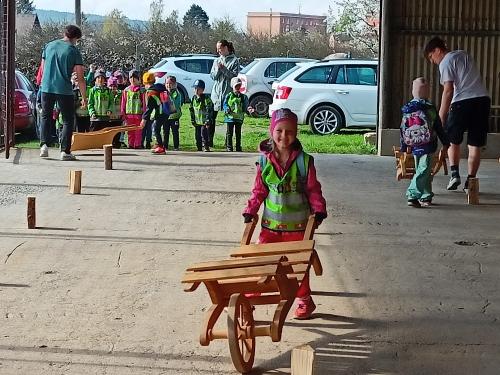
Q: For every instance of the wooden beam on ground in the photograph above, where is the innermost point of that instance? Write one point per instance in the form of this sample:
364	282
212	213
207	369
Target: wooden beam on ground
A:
303	360
108	157
473	191
31	214
75	182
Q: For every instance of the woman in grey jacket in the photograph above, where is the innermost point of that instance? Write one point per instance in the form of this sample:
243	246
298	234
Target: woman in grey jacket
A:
225	67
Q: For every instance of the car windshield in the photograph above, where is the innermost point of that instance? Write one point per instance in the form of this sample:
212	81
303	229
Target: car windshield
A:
248	67
287	73
161	63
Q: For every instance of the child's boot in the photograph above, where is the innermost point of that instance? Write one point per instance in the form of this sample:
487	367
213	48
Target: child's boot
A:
305	308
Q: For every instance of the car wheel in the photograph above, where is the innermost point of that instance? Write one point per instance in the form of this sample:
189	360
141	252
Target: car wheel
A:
326	120
261	104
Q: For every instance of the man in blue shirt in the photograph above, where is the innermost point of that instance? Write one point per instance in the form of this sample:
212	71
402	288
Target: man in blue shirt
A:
60	58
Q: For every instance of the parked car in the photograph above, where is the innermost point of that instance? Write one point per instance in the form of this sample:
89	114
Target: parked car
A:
331	95
24	104
258	76
186	68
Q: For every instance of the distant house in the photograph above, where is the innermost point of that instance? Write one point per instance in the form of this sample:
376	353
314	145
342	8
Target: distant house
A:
275	23
26	23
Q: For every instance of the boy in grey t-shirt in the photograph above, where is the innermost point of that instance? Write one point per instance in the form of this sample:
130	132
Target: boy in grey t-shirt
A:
465	106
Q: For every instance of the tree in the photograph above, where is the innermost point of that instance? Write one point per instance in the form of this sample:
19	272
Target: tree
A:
25	6
115	24
356	27
196	17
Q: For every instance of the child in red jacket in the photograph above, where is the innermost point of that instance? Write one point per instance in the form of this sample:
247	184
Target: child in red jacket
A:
133	106
287	184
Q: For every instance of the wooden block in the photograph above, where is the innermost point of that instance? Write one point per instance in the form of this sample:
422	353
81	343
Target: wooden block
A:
75	182
108	157
473	191
303	360
31	213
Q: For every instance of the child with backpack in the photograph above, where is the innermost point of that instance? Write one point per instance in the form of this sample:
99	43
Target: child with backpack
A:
132	107
286	183
157	109
175	115
235	105
100	102
202	112
419	126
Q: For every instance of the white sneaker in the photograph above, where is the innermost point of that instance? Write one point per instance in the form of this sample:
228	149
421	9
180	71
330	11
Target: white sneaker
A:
67	157
44	151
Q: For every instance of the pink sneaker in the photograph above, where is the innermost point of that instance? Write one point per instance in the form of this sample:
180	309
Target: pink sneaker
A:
305	308
159	151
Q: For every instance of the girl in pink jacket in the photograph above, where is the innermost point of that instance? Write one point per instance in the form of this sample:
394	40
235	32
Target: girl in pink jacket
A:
287	184
132	107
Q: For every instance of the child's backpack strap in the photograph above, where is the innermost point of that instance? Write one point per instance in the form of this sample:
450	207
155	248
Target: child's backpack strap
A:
262	161
301	164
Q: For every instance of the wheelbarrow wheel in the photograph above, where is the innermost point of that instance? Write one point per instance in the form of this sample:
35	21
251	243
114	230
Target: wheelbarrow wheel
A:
240	325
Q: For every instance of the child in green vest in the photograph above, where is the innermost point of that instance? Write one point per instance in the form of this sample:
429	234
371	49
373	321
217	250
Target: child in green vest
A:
132	107
235	106
82	117
100	103
156	113
201	110
176	114
286	183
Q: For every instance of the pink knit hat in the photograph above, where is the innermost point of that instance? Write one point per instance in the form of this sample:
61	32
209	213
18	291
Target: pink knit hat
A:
282	115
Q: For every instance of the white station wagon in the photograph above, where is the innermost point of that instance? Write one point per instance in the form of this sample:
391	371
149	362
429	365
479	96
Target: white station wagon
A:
331	95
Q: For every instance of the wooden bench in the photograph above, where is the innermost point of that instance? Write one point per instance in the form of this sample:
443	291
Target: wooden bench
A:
405	163
99	138
256	274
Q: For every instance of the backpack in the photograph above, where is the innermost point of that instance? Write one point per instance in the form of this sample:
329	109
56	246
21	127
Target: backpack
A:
168	106
416	128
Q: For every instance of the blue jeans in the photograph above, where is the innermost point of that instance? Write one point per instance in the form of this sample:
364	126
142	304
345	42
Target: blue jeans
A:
66	104
421	184
147	132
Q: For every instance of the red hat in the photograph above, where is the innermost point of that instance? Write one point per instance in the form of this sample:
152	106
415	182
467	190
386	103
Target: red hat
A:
282	115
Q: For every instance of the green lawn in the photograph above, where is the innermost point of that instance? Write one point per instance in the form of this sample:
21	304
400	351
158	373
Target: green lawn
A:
254	131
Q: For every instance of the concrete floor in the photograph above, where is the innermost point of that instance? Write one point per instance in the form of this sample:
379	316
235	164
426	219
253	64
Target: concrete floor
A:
95	289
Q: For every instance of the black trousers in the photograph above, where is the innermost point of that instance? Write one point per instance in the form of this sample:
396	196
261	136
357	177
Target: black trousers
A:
211	129
174	126
201	135
233	127
82	124
66	106
159	124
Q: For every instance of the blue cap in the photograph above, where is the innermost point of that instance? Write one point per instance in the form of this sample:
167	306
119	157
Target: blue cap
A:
199	83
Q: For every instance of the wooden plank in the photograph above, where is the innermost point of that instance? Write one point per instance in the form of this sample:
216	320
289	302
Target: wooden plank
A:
273	248
249	229
108	157
473	191
294	258
191	277
97	139
31	214
302	360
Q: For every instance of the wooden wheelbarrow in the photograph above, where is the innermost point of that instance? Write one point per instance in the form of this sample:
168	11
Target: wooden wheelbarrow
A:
98	138
259	274
405	163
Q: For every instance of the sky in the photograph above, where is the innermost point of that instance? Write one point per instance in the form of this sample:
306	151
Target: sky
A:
214	8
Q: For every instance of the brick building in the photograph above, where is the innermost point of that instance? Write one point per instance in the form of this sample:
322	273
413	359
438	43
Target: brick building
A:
274	23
